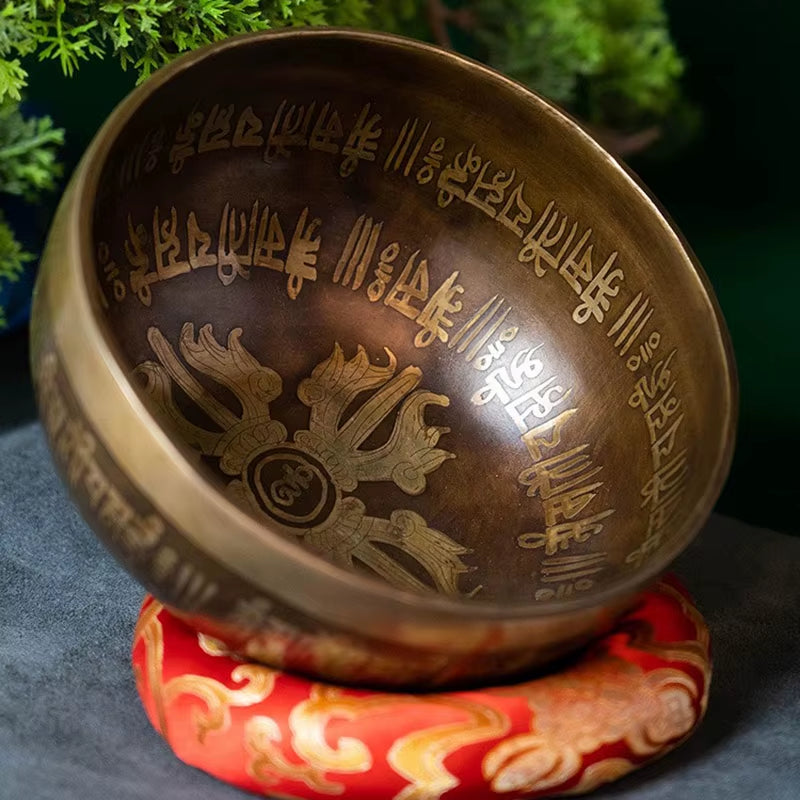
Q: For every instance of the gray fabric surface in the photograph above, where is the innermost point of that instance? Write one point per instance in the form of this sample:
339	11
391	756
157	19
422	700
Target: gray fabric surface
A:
71	725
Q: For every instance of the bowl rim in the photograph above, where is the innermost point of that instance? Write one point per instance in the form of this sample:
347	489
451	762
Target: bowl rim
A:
361	587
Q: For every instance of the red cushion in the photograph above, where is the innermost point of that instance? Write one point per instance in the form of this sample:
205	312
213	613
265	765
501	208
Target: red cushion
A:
627	700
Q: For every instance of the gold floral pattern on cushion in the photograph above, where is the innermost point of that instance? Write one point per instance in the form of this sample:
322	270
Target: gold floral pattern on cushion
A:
633	696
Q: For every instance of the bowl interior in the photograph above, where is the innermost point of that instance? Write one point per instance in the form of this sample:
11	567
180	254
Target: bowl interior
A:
404	313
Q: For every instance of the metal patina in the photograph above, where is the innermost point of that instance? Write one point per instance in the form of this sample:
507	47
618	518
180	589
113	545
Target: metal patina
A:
374	364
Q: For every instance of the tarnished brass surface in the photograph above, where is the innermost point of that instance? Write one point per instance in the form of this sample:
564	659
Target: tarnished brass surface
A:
347	339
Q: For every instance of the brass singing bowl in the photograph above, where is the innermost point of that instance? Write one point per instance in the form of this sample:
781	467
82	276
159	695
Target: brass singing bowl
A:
373	364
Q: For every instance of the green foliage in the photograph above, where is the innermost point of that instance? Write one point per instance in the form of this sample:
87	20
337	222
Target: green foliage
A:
346	13
547	44
610	61
28	164
28	167
144	34
12	258
395	16
640	67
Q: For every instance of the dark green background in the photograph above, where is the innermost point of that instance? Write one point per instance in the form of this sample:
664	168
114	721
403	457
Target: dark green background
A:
733	191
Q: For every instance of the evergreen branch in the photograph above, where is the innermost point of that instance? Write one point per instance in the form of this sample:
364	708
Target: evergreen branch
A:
13	78
27	153
12	256
13	260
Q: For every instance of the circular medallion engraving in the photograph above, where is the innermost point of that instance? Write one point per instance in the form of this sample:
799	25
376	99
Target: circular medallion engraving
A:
292	487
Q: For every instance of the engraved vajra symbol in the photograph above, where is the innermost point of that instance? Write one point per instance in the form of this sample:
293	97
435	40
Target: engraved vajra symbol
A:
302	484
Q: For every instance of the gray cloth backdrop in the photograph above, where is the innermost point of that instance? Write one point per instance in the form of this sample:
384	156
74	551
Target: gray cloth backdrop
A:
71	725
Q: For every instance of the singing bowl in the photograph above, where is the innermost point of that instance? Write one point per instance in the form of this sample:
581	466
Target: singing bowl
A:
373	364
